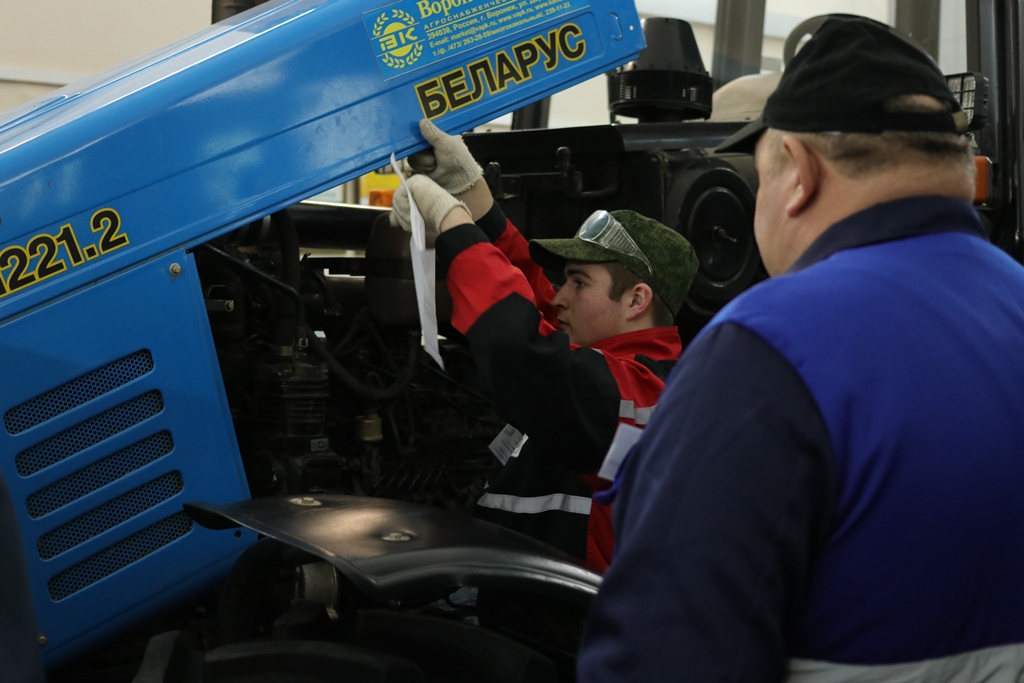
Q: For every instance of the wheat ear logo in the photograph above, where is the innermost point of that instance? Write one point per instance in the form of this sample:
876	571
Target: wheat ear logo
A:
399	45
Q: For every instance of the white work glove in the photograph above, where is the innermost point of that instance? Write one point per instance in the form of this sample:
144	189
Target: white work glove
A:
449	164
432	200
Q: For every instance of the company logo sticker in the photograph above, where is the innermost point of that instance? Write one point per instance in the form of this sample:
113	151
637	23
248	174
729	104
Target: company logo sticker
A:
413	34
398	43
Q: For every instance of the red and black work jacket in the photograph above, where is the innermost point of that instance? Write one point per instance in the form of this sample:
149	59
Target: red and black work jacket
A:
568	400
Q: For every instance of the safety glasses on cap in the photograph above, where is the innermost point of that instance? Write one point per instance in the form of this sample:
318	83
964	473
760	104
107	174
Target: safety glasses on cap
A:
603	230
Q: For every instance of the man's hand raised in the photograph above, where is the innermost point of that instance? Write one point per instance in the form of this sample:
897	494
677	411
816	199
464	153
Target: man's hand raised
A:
439	208
450	164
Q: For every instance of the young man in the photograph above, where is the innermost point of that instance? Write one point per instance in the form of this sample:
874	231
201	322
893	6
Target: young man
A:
563	368
830	490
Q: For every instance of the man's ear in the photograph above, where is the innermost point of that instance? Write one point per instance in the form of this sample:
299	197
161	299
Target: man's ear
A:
806	178
640	299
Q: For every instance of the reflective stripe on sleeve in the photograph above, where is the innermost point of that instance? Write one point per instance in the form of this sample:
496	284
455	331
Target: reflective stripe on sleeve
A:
1000	664
629	411
578	505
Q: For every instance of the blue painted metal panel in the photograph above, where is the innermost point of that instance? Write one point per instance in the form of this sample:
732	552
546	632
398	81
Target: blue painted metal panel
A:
113	415
114	411
266	109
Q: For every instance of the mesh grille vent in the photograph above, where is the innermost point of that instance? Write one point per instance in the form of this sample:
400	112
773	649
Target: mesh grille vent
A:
88	433
99	474
77	391
108	515
118	556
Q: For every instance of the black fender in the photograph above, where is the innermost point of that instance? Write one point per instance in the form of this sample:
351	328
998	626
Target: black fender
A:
393	549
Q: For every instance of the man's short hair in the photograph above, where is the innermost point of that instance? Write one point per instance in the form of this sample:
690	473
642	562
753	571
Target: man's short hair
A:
858	154
624	279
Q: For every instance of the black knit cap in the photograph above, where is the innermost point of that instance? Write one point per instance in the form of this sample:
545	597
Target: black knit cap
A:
673	260
841	77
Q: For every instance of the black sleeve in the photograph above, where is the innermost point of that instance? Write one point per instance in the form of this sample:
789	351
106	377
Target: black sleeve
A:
564	398
493	222
722	507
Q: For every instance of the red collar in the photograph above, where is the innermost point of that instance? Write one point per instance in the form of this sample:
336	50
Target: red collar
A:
657	343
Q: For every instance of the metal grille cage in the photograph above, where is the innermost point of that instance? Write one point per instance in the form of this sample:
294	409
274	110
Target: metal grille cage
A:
99	474
118	556
109	515
78	391
88	433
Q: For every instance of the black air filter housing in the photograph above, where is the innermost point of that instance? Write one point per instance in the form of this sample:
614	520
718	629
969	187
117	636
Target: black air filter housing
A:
667	81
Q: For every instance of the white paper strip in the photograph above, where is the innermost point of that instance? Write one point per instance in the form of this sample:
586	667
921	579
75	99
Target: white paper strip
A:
423	276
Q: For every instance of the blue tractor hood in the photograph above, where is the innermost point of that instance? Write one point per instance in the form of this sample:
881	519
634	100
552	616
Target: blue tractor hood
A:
263	110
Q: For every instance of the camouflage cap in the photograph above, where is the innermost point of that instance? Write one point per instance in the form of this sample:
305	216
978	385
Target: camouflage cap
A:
672	258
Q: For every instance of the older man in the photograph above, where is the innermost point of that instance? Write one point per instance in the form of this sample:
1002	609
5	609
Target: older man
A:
830	488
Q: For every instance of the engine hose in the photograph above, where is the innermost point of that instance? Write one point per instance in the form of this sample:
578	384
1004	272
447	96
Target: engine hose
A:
292	332
353	383
375	333
350	333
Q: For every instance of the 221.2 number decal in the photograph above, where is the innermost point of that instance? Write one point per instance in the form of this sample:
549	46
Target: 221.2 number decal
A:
47	255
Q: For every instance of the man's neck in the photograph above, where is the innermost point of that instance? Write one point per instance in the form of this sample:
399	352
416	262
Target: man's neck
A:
840	196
